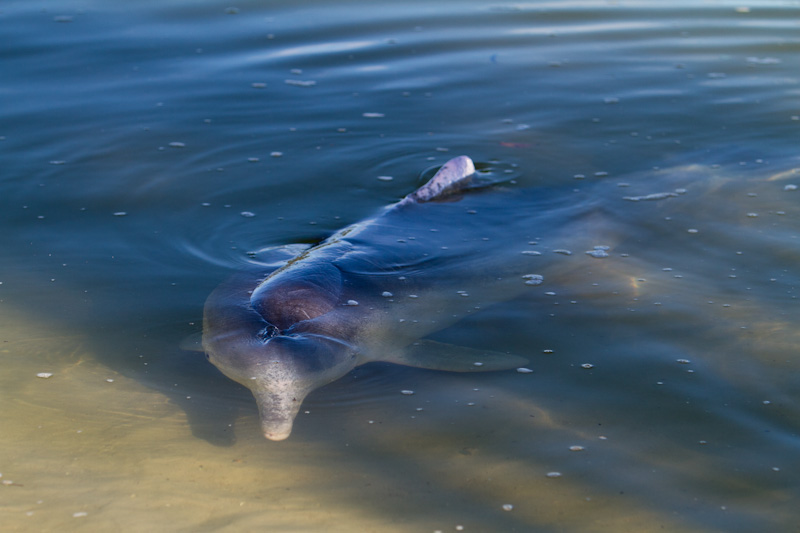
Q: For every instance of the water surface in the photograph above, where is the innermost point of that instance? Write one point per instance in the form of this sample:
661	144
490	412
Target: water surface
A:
151	150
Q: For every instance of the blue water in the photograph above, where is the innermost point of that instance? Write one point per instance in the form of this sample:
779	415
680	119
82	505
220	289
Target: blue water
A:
152	149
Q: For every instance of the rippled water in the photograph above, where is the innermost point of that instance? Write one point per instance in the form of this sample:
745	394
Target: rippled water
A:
151	150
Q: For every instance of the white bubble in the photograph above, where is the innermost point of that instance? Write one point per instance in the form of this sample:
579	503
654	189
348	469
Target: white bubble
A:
599	251
763	60
650	197
300	83
533	279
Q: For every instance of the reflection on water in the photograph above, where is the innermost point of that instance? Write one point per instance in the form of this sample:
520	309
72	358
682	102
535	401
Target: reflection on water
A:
663	394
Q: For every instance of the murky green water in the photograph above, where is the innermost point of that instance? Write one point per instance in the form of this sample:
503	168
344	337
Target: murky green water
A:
665	387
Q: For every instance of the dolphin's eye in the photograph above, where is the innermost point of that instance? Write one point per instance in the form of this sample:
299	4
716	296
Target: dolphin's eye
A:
268	332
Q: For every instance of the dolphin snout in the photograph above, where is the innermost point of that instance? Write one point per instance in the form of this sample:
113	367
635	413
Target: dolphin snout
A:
277	412
276	430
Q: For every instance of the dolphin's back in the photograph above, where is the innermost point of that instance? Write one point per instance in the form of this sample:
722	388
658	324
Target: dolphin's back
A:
370	292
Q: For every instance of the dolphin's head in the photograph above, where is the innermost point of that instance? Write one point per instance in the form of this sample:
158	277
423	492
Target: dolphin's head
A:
280	371
280	366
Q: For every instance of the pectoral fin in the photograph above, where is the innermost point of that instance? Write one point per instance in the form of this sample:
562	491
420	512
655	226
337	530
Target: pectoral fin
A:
193	343
435	355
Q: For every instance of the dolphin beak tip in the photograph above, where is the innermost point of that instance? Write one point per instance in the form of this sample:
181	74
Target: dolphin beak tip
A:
277	432
277	435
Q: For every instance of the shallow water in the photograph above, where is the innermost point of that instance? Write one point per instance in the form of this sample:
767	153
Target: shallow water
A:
134	138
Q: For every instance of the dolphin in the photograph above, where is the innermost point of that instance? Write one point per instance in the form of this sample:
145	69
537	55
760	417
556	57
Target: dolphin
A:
371	292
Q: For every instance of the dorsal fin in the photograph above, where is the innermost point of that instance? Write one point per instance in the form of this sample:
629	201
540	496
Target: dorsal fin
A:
454	176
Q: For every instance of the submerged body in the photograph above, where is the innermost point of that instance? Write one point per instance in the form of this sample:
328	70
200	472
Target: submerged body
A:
370	292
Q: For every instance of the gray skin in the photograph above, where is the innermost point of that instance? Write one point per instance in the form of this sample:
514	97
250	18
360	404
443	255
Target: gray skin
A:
361	295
